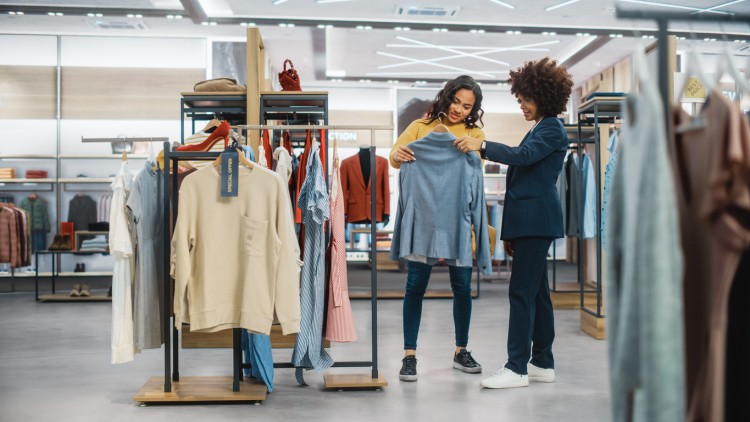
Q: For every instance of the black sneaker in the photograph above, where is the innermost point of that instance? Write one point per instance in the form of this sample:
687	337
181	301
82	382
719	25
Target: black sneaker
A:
408	369
464	362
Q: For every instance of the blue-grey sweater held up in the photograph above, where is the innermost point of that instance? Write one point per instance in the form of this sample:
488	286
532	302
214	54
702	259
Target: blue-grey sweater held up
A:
441	195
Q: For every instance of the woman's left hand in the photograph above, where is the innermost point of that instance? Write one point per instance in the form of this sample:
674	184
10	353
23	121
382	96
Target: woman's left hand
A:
467	144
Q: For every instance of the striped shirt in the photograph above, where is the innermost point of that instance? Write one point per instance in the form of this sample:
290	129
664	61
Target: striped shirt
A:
340	321
313	200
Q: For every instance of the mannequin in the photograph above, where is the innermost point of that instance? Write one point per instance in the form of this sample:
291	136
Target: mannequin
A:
356	173
364	163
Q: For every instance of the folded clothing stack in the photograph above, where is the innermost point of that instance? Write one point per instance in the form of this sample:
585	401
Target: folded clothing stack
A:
98	244
36	174
7	173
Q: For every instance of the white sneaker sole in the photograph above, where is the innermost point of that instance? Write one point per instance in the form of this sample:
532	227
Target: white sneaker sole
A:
541	378
407	378
477	370
518	384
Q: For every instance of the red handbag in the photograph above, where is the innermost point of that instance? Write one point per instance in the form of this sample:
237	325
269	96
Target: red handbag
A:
288	78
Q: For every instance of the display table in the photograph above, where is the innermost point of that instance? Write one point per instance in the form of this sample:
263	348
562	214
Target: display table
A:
64	297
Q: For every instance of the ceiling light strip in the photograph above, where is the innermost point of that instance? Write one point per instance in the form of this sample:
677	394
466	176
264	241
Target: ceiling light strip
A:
718	6
444	66
504	4
559	5
673	6
453	50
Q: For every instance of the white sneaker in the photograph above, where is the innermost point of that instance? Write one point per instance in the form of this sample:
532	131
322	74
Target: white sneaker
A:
505	378
540	374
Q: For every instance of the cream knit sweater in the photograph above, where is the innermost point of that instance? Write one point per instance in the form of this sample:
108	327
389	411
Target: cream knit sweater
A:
235	261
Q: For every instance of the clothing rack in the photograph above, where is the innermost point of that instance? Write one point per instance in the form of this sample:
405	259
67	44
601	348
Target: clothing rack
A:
171	348
373	245
662	21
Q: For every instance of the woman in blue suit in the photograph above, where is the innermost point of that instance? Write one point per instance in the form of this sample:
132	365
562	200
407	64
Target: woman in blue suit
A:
532	218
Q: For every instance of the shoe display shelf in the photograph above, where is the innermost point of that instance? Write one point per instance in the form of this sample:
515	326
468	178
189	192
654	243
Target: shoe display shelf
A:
54	296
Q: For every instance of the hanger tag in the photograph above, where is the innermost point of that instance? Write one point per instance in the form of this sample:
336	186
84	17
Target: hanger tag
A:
229	174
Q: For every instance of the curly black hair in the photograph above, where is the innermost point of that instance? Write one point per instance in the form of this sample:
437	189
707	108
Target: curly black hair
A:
543	81
444	99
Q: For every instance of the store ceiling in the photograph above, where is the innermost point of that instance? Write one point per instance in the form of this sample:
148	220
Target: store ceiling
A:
366	40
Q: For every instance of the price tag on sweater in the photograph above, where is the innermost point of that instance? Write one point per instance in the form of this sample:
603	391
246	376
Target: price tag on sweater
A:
229	174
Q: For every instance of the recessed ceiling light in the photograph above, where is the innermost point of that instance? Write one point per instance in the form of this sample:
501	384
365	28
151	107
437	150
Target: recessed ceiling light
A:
435	29
138	16
51	13
130	15
58	13
290	25
406	28
213	24
11	13
321	26
204	23
559	5
170	16
99	15
178	16
329	26
504	4
368	27
243	23
283	25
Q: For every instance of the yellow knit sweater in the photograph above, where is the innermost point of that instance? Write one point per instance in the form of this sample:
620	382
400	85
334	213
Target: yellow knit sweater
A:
419	128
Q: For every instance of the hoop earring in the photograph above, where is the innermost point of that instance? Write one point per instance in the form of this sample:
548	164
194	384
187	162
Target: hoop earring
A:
440	118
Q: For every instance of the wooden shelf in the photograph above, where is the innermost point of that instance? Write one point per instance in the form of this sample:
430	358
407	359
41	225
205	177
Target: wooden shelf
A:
200	390
65	297
28	156
593	326
46	274
353	381
32	181
86	180
102	157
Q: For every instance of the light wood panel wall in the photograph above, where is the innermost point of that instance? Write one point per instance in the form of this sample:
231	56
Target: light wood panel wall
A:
27	92
125	93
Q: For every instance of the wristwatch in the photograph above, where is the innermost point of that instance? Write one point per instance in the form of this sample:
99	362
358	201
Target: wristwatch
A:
482	149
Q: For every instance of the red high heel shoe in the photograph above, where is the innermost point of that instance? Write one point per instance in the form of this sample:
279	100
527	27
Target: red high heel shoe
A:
221	132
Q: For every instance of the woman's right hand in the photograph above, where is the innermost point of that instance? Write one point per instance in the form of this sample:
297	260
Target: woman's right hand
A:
403	155
508	246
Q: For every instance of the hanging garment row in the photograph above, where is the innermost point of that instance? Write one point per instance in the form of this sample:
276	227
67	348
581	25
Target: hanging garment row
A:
15	236
678	231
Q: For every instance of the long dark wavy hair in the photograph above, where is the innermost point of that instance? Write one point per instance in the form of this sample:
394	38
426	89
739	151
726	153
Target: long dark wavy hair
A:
444	99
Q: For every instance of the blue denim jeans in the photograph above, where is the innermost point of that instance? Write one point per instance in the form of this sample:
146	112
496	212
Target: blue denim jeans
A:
416	284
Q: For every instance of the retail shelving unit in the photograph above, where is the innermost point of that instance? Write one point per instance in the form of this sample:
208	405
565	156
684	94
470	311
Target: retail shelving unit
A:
62	297
593	113
231	106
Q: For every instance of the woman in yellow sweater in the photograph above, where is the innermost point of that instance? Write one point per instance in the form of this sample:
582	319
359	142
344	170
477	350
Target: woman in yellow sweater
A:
459	107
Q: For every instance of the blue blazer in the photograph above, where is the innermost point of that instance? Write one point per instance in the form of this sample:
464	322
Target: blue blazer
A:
532	204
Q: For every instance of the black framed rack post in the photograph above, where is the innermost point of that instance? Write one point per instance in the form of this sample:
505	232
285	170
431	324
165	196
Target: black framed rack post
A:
593	113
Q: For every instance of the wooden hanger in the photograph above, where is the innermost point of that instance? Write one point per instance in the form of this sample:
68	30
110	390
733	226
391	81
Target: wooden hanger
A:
241	157
213	123
440	128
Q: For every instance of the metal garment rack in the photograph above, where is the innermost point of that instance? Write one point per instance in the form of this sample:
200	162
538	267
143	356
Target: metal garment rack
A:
171	349
373	233
662	20
602	112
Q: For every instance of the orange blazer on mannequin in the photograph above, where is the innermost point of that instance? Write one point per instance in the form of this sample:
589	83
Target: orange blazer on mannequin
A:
357	195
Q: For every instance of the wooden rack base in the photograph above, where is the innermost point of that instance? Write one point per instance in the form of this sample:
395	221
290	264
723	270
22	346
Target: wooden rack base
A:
65	297
593	326
353	381
569	298
199	390
399	294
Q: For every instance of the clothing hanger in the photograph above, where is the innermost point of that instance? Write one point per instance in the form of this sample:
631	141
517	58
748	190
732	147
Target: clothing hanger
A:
727	66
440	128
240	156
213	123
693	70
